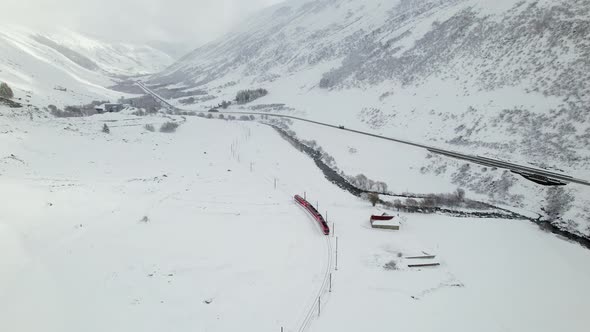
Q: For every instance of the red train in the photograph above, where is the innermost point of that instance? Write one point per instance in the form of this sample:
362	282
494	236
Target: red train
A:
317	216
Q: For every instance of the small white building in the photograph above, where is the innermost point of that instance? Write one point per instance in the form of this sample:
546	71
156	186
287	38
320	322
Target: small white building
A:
385	222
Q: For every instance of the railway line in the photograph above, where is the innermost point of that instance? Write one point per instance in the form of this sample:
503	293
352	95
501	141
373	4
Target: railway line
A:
322	227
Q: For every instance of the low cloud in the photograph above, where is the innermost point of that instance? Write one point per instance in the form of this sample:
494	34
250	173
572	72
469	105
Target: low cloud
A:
182	22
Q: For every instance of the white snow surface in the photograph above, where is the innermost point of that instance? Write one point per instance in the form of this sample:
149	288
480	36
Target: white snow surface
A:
76	252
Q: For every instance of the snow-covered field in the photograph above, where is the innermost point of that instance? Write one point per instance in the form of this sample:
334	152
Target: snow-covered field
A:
221	249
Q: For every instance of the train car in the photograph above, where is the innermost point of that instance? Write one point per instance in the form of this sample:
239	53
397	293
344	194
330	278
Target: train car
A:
316	215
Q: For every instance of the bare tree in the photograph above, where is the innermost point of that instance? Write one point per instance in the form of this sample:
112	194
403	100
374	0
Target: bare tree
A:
373	198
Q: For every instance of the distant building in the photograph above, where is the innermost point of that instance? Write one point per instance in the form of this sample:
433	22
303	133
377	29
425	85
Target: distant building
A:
384	222
110	108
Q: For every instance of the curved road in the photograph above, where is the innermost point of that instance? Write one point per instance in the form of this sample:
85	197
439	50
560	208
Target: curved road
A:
536	175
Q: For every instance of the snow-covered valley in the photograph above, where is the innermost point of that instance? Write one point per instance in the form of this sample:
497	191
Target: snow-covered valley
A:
505	80
137	230
180	217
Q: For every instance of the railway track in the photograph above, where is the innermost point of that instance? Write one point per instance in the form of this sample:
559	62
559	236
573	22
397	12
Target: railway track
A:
324	288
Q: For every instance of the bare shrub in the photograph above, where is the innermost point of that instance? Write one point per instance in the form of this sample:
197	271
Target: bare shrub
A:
391	265
169	127
149	127
106	129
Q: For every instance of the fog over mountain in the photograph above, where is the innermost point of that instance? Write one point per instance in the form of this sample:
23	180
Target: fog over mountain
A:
177	25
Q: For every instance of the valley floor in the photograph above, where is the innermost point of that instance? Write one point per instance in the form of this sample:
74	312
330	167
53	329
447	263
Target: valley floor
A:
142	231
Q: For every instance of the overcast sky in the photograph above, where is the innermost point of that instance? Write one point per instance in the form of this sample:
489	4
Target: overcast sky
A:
187	22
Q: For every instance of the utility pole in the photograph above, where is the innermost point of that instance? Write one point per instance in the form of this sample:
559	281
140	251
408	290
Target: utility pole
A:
336	253
319	305
330	283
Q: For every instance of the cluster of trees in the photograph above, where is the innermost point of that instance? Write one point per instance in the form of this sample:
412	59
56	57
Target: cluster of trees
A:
6	91
224	104
68	112
362	182
74	111
558	202
451	200
246	96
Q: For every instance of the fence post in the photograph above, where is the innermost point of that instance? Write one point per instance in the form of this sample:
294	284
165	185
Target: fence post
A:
330	291
319	305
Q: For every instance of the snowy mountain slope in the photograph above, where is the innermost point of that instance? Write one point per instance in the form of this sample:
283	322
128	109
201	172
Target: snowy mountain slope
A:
504	79
448	57
221	249
40	75
68	69
115	58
